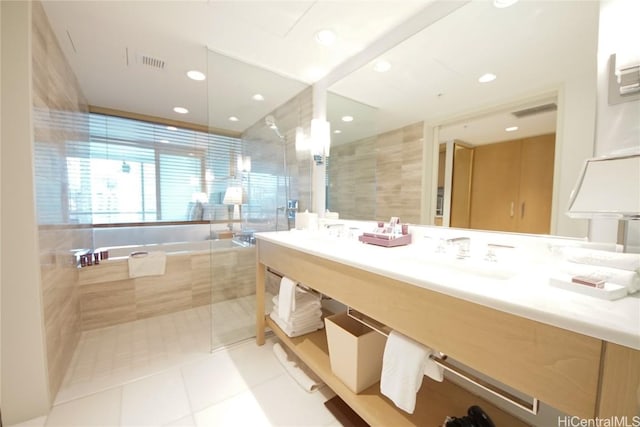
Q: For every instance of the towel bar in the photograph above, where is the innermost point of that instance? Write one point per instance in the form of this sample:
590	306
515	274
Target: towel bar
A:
300	285
531	407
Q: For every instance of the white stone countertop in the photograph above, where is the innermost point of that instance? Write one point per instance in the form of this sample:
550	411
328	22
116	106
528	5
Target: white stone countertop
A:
518	283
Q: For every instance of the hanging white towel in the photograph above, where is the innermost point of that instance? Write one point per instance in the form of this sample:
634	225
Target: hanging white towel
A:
403	367
432	369
147	264
286	298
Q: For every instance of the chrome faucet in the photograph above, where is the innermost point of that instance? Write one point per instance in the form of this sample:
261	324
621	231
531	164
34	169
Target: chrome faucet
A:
491	254
337	226
463	244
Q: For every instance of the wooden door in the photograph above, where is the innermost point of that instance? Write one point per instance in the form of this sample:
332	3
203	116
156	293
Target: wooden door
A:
461	186
536	184
494	193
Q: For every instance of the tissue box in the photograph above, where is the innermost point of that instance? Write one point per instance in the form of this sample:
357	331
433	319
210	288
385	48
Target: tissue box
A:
355	351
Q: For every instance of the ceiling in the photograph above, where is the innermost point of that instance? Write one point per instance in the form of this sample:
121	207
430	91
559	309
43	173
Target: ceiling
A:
268	47
244	47
533	47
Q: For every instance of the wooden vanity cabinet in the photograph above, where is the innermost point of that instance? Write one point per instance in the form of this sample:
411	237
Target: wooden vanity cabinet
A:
557	366
513	184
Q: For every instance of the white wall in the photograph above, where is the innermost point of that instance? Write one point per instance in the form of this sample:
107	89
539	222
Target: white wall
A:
574	144
24	387
618	126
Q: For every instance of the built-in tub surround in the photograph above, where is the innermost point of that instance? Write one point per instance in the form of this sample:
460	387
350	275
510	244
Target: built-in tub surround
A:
579	354
197	273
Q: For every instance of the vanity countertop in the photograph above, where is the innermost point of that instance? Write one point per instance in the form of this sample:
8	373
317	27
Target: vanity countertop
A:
523	290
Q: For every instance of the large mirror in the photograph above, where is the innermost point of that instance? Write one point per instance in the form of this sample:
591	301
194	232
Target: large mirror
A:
428	140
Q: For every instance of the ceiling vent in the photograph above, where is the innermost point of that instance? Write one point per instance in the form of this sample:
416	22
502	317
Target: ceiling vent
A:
545	108
149	61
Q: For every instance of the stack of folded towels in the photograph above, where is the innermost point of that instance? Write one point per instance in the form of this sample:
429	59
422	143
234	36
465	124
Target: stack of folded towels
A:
612	267
296	311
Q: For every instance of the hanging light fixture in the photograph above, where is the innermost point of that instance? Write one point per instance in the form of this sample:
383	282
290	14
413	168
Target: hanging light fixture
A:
318	143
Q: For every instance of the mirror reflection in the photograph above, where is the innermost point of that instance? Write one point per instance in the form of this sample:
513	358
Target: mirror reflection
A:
499	175
436	91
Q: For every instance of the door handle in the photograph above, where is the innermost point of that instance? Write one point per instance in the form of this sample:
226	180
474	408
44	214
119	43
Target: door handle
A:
511	211
522	210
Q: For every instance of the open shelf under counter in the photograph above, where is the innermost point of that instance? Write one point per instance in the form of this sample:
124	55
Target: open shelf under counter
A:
433	403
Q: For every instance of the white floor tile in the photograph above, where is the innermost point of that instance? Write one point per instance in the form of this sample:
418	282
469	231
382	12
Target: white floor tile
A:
240	410
100	409
187	421
286	404
276	402
228	373
156	400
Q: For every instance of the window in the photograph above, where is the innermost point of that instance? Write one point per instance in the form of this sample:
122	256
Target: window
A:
131	171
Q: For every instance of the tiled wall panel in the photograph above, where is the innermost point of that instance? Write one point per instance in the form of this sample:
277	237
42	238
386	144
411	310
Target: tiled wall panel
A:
60	114
378	177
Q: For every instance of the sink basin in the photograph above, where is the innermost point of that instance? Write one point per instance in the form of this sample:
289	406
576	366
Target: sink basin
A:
467	266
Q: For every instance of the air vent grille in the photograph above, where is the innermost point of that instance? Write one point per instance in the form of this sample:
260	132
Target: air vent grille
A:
545	108
150	61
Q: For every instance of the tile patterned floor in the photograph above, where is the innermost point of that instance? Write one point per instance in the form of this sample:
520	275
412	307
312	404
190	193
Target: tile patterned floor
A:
161	372
119	354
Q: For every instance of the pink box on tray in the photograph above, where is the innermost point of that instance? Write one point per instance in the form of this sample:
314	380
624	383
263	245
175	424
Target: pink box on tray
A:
386	240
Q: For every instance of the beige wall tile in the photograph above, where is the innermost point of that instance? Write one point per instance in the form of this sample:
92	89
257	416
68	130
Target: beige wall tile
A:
106	304
378	177
60	114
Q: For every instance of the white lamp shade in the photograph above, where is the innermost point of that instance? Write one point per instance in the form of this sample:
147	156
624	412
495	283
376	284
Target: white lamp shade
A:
233	196
609	187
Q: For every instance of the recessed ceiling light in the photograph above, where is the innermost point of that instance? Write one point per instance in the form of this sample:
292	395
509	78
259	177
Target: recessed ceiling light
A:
172	128
347	118
180	110
337	131
486	78
258	97
234	119
196	75
164	141
382	66
511	128
325	37
501	4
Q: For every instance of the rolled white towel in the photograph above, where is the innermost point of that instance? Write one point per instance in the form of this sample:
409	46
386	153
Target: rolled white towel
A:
297	372
621	261
629	279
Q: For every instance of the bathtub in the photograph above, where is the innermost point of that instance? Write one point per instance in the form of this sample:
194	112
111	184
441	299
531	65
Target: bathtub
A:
117	252
197	273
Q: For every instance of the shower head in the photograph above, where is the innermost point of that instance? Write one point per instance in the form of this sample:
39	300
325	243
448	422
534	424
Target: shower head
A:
271	123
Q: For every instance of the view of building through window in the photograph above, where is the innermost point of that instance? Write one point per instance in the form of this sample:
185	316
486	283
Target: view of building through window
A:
129	171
